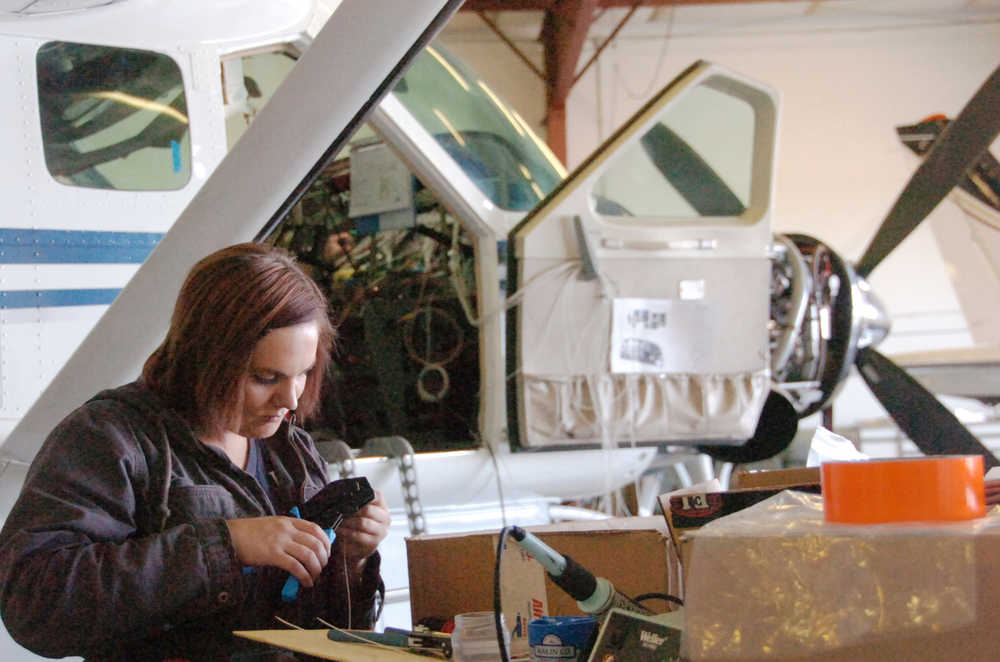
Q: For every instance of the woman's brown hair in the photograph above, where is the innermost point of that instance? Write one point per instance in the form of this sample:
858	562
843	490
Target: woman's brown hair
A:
229	301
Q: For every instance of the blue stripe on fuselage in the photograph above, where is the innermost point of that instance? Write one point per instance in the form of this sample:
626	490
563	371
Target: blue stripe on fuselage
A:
28	246
54	298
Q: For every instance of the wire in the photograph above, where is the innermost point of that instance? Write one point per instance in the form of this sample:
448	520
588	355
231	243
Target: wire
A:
659	596
659	61
425	374
289	624
347	584
496	469
566	269
461	292
497	608
449	354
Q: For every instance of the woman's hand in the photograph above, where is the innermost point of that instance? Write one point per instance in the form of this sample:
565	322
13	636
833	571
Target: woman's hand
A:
295	545
360	534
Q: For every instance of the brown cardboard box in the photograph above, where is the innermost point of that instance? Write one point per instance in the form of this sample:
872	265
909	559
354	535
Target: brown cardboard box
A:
792	477
453	573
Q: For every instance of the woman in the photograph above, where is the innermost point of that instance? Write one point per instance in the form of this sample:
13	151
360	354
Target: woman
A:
154	519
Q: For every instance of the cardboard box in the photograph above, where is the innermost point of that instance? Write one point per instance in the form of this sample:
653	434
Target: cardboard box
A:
784	478
777	583
453	573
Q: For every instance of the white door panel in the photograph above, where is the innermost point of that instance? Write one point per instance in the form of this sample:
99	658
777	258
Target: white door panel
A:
645	278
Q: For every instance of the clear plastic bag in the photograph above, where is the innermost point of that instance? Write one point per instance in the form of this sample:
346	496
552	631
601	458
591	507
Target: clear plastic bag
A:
474	638
776	581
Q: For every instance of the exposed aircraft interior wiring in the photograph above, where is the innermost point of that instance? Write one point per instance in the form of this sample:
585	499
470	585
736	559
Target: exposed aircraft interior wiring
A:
405	363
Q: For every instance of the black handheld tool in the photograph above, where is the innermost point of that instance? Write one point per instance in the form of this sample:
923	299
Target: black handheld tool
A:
328	507
337	500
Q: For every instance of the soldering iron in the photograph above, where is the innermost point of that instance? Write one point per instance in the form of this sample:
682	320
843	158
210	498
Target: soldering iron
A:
594	595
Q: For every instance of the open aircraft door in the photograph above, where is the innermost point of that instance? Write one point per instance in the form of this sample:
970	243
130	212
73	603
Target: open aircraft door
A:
644	279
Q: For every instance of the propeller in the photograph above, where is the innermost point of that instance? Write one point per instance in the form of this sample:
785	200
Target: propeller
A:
955	151
919	414
847	320
928	423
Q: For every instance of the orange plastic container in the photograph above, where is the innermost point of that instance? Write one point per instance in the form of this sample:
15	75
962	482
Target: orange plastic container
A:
921	489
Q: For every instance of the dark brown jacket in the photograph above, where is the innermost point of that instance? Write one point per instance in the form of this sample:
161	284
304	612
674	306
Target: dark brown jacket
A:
117	547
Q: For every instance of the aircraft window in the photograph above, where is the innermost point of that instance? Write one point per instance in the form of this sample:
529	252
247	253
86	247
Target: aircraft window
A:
696	161
248	82
487	138
407	358
113	118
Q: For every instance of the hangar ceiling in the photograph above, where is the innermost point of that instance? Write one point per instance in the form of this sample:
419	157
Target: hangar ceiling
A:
568	36
563	26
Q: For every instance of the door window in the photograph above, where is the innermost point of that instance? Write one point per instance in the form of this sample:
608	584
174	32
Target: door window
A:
696	160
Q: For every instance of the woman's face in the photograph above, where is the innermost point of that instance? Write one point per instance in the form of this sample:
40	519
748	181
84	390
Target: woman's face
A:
279	365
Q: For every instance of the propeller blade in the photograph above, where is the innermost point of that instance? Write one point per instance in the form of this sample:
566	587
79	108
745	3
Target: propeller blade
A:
920	415
775	430
955	151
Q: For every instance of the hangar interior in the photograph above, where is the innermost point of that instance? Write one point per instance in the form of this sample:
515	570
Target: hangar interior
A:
848	74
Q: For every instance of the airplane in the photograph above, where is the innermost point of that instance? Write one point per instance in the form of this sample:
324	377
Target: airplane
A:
490	220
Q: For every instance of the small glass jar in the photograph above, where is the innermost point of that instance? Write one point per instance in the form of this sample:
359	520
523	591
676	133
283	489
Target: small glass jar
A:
474	638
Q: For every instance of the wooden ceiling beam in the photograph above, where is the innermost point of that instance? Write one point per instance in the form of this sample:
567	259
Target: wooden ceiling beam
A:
564	31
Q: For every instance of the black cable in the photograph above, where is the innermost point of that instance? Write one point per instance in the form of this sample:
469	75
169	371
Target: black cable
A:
497	611
660	596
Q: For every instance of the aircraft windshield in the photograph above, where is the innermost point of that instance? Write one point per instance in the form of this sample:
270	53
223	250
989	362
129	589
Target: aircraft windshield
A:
487	138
